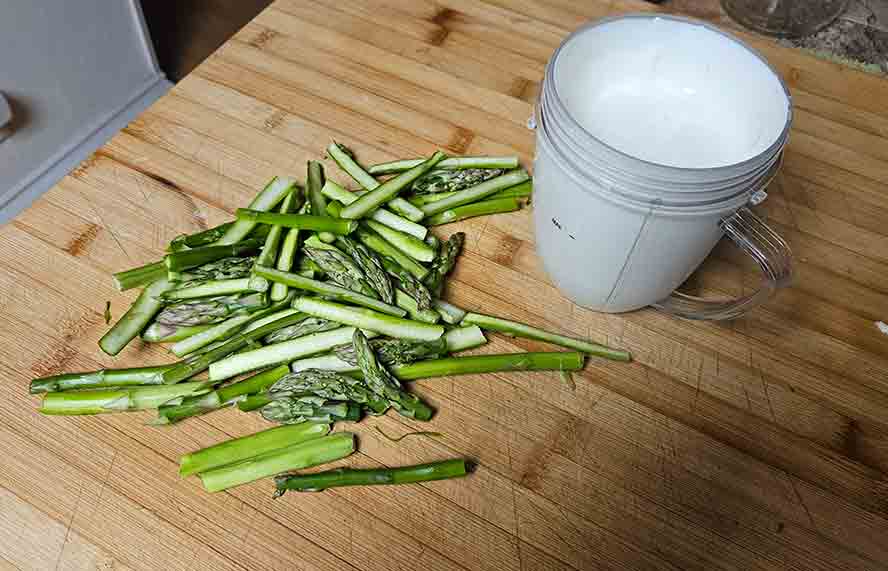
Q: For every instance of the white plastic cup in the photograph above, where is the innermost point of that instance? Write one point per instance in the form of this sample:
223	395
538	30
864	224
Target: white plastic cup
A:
653	132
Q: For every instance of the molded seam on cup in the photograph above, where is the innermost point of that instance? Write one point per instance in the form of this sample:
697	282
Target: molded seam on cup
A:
628	262
550	73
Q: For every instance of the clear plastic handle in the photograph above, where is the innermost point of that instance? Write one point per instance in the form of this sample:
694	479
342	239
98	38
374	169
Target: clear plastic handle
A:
766	247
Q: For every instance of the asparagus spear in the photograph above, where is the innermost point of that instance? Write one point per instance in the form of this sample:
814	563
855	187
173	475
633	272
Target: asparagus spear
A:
338	477
449	313
389	189
396	351
341	270
476	192
135	319
369	319
476	364
335	192
206	311
295	457
410	245
286	257
99	379
116	400
327	363
137	277
192	365
383	383
326	385
180	261
381	246
327	289
271	195
229	268
315	197
300	221
208	289
444	262
372	267
202	238
522	190
163	333
482	208
214	400
449	163
410	285
278	353
268	255
517	329
307	326
246	447
346	161
409	304
309	409
448	180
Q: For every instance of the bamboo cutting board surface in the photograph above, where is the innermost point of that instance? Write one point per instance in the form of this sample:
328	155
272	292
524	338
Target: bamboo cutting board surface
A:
756	444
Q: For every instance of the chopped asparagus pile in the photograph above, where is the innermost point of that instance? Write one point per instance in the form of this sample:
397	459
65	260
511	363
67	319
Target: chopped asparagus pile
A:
329	300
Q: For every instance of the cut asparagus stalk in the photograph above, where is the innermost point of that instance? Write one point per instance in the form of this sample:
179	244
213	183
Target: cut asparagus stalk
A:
449	163
116	400
303	455
372	265
137	317
407	303
335	192
477	192
202	238
279	353
265	320
269	253
253	402
379	193
194	364
137	277
181	261
339	477
462	338
449	312
346	162
271	195
369	319
516	329
163	333
410	245
482	208
209	310
328	289
329	362
522	190
315	182
444	262
224	330
104	378
246	447
381	246
214	400
444	180
209	288
300	221
476	364
309	409
286	257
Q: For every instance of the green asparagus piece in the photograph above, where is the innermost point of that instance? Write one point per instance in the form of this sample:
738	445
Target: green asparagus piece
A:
316	198
409	304
208	310
338	477
466	337
448	180
163	333
476	364
396	351
389	189
369	319
444	262
223	269
383	383
278	353
328	289
449	313
253	402
477	192
522	190
135	319
271	195
517	329
269	253
246	447
410	245
449	163
411	286
193	365
381	246
303	455
482	208
286	257
309	409
209	288
181	261
214	400
104	378
327	362
202	238
335	192
372	267
300	221
341	270
326	385
137	277
305	327
116	400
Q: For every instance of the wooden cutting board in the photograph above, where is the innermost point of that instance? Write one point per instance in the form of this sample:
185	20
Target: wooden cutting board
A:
756	444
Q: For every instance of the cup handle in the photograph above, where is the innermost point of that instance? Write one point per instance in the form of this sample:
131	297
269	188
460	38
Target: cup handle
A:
766	247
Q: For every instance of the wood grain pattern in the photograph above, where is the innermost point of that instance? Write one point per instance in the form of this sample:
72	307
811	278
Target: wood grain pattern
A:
756	444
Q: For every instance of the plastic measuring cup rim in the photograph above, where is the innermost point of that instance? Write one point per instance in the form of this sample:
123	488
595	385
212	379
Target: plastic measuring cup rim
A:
714	171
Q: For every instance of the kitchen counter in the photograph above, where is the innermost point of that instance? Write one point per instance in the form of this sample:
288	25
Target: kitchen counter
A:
760	443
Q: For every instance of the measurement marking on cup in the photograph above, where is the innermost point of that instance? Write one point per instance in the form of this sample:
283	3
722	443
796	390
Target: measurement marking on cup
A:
557	225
